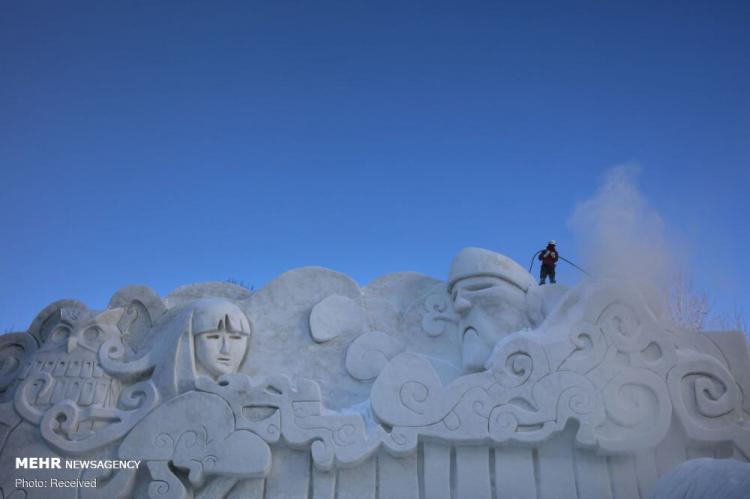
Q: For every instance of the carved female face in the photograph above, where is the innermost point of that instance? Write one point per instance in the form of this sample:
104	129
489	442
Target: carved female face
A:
220	352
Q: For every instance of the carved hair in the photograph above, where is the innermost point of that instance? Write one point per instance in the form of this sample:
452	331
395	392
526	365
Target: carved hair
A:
199	317
172	358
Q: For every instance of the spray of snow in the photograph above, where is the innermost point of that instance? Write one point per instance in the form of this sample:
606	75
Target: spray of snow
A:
622	236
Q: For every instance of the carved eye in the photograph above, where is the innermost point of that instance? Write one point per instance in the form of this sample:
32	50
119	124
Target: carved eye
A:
92	335
479	287
59	334
212	336
236	337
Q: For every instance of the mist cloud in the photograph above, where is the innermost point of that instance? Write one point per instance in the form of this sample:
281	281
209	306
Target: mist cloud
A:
621	235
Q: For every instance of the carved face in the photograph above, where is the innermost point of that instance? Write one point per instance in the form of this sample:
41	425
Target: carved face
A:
220	352
489	309
70	338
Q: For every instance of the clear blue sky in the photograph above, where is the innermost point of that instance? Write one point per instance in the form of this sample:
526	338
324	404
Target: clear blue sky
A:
166	143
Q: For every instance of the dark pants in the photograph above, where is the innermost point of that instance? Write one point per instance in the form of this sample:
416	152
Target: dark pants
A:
547	270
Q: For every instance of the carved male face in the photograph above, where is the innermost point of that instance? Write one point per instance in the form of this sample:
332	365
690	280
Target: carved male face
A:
220	352
489	309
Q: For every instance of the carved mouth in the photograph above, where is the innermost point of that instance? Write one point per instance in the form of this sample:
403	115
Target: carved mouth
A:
474	351
470	330
223	360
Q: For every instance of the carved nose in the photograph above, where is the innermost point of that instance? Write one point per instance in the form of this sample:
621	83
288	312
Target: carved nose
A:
72	344
224	347
461	305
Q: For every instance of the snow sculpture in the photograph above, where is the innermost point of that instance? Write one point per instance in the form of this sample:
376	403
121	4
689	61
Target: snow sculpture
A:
484	386
705	477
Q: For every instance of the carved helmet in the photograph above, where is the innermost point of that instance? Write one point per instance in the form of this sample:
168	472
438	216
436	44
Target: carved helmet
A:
476	262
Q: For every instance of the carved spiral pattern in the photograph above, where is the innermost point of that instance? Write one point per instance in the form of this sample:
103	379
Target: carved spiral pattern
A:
346	435
520	364
413	395
637	403
621	326
158	488
9	362
479	407
401	440
32	387
503	424
437	303
705	396
322	454
139	395
62	417
112	359
715	392
582	340
579	400
114	350
629	403
589	348
15	348
188	440
163	440
515	370
712	395
60	425
518	359
438	314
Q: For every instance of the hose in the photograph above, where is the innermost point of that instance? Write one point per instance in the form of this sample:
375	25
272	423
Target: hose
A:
576	266
533	259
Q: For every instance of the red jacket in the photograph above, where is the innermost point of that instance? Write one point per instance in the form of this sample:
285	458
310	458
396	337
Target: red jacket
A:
549	256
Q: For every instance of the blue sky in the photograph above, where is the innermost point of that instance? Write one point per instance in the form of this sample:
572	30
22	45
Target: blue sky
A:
166	143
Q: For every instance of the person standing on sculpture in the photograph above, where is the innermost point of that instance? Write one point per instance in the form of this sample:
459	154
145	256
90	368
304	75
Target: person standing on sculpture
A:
548	257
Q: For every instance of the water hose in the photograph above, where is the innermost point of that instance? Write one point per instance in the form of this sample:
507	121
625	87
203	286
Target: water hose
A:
576	266
533	259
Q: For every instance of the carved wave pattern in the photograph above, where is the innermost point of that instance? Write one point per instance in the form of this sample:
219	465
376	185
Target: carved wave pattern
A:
621	377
